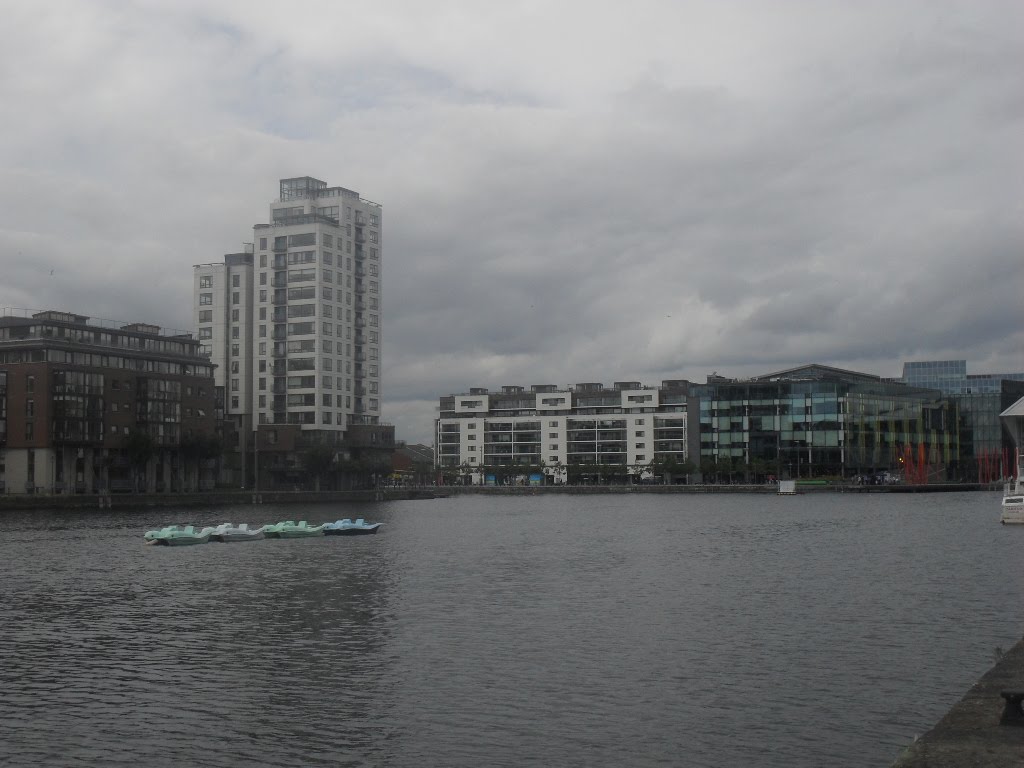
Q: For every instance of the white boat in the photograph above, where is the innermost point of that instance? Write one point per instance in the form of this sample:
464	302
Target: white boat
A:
1013	498
227	532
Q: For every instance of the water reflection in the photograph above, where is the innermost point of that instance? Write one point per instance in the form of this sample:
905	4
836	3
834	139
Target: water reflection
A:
547	631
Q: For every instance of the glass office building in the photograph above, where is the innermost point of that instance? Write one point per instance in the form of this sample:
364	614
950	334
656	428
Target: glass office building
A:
818	421
987	449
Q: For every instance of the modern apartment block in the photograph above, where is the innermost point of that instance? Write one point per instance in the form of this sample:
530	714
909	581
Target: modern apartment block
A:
294	326
594	430
74	391
223	319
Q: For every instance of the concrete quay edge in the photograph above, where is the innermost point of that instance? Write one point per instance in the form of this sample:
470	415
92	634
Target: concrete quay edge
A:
970	735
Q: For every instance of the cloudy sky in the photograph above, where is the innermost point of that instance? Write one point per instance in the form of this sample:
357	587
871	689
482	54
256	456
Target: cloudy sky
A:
573	190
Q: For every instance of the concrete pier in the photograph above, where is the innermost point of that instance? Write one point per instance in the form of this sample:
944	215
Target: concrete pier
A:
971	734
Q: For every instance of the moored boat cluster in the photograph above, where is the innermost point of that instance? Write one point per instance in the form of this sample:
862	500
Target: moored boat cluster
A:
180	535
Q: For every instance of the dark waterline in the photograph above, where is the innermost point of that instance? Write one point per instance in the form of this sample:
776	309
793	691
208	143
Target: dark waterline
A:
551	630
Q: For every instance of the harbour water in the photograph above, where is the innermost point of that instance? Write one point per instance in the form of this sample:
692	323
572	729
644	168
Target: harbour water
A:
634	630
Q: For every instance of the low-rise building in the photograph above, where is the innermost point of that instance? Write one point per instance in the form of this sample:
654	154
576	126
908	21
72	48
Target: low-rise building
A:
92	406
552	434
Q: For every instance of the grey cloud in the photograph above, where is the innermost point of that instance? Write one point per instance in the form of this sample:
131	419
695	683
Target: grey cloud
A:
728	191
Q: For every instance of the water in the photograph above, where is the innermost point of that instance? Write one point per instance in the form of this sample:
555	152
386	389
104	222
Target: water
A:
552	630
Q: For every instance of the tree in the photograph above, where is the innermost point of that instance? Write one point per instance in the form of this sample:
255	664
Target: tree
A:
139	448
708	468
317	460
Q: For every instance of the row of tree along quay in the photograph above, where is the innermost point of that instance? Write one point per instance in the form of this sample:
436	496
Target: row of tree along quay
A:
666	471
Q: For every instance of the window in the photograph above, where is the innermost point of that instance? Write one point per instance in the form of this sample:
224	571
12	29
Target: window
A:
234	401
263	313
263	401
206	316
236	281
638	421
206	281
235	297
30	408
263	295
639	433
638	445
234	366
234	350
641	458
263	278
234	332
263	383
29	430
205	299
263	331
553	435
263	243
553	447
206	333
471	437
234	385
326	400
234	315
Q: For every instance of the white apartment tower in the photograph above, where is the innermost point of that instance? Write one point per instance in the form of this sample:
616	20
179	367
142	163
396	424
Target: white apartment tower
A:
317	300
293	324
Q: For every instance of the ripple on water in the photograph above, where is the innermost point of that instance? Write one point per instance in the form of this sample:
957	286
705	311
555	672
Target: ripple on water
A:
632	630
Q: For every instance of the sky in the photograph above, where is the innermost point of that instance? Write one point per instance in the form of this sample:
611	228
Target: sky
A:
572	190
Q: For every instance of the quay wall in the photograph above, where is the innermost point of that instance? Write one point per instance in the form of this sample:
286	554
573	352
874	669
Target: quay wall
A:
237	497
132	501
971	735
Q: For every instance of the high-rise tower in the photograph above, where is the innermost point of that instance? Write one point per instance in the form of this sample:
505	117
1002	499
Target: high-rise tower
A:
307	334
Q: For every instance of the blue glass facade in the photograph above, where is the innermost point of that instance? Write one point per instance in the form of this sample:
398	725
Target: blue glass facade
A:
819	421
987	450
